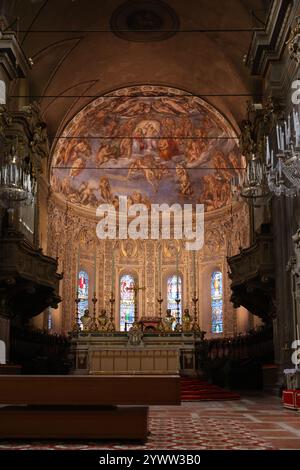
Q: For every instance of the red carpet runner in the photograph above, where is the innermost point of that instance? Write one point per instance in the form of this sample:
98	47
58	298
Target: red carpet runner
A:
198	390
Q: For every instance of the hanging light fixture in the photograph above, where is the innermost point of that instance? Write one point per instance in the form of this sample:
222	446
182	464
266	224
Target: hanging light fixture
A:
284	174
17	181
254	188
252	185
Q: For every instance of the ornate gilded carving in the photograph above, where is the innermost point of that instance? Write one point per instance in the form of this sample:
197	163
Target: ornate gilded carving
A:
293	42
295	265
67	227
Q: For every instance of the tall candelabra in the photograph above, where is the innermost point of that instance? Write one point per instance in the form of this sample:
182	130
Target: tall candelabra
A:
76	326
195	326
94	321
177	300
160	301
112	301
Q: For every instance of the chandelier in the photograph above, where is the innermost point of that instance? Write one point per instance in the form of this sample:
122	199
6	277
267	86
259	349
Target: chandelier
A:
17	181
283	175
253	187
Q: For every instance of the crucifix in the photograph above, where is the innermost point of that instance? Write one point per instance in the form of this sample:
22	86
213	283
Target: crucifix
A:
135	289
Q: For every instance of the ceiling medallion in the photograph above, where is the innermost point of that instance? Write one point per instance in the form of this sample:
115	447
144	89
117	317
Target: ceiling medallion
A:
144	20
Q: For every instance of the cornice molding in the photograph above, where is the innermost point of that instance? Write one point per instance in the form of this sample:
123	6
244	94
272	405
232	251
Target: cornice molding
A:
268	45
12	57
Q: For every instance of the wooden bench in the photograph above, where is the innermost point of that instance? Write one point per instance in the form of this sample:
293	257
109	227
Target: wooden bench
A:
82	407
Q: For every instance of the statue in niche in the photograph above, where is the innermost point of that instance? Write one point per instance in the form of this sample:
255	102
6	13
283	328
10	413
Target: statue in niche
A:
86	320
168	321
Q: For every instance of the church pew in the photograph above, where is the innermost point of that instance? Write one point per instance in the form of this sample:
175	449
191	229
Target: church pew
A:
81	407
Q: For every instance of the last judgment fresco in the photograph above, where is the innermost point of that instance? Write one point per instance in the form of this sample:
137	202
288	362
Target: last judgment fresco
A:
153	144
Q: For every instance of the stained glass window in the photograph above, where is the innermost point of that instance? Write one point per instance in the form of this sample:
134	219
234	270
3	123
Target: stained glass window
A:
127	284
83	292
174	287
49	319
217	302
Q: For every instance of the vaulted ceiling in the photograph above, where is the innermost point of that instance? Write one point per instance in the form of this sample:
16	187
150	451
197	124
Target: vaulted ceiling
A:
76	56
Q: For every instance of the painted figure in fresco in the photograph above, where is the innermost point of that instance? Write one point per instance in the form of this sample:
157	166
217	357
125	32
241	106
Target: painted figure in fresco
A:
86	194
105	189
221	165
137	198
104	153
215	193
77	167
147	166
185	187
173	106
193	152
126	148
138	142
167	149
137	107
72	151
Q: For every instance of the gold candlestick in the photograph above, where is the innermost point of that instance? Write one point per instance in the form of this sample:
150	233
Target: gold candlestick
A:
111	320
94	322
195	326
160	301
177	300
76	326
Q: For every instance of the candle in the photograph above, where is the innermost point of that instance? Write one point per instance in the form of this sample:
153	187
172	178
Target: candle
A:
278	138
113	272
282	139
286	133
280	168
159	269
95	270
177	276
194	270
272	159
77	271
297	128
267	151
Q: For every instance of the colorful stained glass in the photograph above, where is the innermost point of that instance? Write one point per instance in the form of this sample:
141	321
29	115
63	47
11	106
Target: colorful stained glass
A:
217	302
83	292
174	289
127	284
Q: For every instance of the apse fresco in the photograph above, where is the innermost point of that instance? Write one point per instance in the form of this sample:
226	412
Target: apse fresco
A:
153	144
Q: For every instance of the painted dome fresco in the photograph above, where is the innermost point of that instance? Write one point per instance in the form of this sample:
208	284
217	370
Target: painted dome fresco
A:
153	144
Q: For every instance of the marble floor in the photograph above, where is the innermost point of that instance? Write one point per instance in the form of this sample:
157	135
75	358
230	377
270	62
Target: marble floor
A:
254	422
